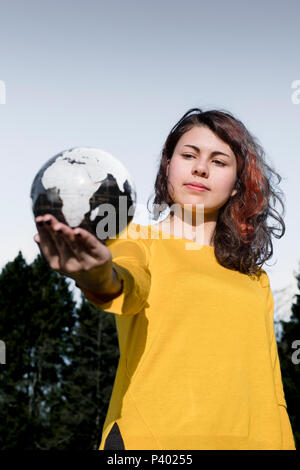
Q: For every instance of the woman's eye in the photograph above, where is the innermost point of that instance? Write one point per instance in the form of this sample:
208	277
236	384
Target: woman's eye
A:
187	155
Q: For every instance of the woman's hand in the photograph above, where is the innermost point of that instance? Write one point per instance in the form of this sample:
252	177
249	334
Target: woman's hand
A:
75	253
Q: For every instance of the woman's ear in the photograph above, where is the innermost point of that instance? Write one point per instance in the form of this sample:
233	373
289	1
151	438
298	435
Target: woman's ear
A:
234	190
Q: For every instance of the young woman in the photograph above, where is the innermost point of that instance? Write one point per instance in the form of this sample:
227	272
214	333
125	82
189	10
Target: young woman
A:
199	365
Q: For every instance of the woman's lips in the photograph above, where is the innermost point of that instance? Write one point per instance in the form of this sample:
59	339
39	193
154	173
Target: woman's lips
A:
196	188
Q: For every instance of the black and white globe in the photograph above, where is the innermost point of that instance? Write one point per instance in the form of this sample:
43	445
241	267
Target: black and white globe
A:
88	188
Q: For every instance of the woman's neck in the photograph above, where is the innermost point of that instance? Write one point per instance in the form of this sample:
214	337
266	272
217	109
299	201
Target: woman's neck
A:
202	232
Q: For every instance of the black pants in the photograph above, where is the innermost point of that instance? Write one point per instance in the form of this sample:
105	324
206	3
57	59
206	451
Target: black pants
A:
114	439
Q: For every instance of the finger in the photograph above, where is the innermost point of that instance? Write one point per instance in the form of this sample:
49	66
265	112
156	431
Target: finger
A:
74	244
47	216
91	249
61	258
69	260
88	240
38	241
47	246
56	231
37	238
76	247
88	248
80	242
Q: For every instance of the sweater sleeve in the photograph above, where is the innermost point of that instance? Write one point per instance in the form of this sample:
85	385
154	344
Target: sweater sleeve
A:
130	259
288	442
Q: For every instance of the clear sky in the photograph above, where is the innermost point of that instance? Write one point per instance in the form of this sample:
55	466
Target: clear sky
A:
118	75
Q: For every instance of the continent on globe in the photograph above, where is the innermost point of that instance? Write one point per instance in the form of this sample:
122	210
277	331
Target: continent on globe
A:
88	188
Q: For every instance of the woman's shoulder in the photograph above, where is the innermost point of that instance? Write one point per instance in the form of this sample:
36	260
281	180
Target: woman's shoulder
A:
263	278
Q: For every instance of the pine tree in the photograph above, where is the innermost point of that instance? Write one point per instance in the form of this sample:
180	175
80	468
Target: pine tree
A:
15	418
60	362
89	383
36	315
291	371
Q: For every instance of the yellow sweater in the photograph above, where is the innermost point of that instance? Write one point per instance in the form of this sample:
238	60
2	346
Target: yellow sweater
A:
199	365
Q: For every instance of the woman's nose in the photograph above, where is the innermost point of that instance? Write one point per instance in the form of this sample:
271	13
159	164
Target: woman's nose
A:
200	168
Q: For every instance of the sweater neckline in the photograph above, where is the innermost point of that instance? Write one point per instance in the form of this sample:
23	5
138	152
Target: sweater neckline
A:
175	237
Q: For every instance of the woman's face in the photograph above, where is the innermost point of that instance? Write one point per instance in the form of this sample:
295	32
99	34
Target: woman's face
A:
208	166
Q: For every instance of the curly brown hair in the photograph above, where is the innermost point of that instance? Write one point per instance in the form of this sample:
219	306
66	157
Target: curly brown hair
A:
242	238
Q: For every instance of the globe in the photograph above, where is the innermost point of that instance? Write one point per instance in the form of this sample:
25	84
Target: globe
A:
88	188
